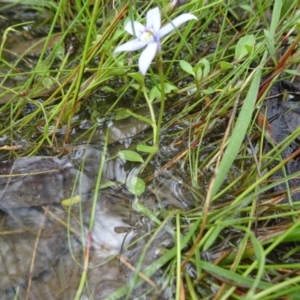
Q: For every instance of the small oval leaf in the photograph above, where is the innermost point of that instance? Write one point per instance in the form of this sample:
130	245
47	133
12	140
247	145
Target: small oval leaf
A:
71	201
129	155
224	65
185	66
146	149
136	185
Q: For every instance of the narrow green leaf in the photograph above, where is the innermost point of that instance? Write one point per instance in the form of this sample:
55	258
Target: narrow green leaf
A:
140	117
276	11
208	91
270	44
232	276
292	72
238	132
137	206
108	184
212	236
260	258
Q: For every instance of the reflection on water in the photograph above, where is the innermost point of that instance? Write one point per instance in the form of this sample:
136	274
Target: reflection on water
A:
39	255
110	234
42	244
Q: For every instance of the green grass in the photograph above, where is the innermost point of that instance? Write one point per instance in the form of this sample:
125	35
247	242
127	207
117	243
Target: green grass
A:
224	246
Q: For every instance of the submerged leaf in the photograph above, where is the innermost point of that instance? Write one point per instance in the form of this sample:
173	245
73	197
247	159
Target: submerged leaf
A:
122	113
135	185
130	155
146	149
71	201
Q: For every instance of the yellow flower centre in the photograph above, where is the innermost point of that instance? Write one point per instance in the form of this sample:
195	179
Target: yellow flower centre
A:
147	36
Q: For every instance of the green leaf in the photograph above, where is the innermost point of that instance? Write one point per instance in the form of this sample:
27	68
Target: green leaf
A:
47	82
213	234
170	87
185	66
239	131
224	65
60	53
154	94
276	11
71	201
107	184
42	68
270	43
244	46
135	185
208	91
108	89
146	149
198	72
260	258
140	117
292	72
129	155
247	8
121	113
137	76
137	206
237	278
286	7
155	91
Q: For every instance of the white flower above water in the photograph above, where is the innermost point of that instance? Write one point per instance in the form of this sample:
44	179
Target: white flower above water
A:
149	36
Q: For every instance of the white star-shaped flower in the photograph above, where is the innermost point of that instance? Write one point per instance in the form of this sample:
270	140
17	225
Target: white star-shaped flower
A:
149	36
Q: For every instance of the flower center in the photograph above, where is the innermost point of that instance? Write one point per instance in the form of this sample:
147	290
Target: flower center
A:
147	36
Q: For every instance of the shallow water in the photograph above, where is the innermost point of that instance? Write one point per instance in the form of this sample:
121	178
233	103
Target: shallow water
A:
42	244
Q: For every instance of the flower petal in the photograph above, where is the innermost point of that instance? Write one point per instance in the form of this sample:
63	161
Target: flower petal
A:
147	56
153	19
130	46
175	23
135	28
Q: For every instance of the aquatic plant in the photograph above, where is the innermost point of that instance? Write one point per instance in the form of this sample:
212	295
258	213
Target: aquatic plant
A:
218	145
149	37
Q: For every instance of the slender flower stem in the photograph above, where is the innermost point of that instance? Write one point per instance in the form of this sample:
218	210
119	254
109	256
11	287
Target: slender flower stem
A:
153	119
156	124
154	129
159	63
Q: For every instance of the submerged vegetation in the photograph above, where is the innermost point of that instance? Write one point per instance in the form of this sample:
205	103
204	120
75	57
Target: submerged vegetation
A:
217	110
